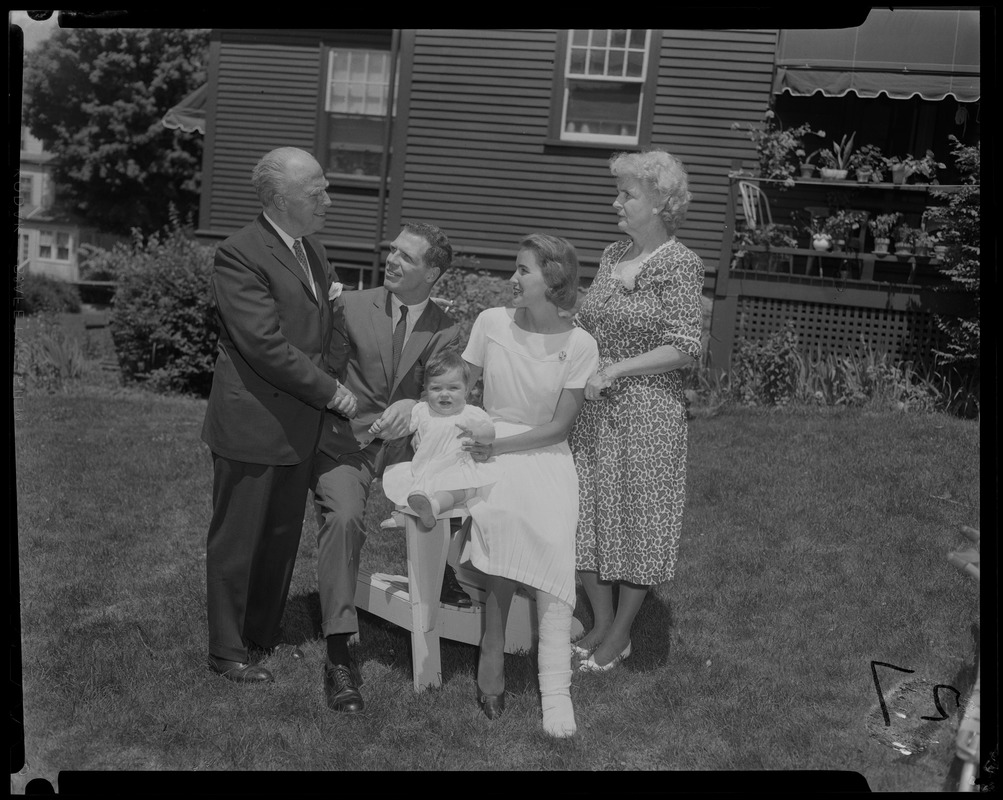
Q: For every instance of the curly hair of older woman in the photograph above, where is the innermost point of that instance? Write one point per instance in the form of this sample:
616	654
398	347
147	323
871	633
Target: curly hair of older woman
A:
661	173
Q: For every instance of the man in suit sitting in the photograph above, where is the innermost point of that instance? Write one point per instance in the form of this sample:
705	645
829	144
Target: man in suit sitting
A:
391	332
271	386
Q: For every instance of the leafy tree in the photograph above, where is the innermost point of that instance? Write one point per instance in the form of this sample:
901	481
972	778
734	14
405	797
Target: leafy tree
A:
959	223
96	98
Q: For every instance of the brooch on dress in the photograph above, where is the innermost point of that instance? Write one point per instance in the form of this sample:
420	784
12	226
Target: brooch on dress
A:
563	355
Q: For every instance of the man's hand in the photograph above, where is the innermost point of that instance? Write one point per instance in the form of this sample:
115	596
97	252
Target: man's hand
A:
344	402
395	422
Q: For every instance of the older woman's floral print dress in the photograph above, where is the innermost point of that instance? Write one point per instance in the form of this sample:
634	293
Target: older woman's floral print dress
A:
630	449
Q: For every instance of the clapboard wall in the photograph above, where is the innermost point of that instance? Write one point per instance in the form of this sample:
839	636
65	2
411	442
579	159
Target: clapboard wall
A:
471	149
478	159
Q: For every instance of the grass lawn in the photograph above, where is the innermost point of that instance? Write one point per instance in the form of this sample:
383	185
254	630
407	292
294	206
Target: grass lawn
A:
814	544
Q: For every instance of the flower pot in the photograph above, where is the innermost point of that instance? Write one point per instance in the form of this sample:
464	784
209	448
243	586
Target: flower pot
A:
830	174
903	250
881	246
922	250
940	250
821	241
864	175
898	174
807	170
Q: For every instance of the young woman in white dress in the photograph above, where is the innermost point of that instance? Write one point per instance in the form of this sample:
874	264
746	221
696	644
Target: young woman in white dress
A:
535	363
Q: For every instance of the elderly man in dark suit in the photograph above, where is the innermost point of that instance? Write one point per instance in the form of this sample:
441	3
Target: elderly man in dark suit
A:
392	331
271	385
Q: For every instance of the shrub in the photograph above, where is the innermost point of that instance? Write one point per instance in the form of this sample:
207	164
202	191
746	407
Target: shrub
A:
38	293
44	357
467	291
162	319
958	226
780	372
766	372
100	264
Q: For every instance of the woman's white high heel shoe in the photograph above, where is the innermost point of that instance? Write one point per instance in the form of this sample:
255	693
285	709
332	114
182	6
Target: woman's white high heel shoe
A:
590	665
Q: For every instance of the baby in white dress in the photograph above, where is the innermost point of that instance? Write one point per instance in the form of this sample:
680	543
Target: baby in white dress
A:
442	475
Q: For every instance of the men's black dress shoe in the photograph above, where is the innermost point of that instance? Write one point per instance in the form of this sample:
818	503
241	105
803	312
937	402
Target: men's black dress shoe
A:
452	593
341	689
239	672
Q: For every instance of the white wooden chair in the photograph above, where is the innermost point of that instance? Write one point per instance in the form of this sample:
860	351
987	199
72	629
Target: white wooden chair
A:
412	601
756	209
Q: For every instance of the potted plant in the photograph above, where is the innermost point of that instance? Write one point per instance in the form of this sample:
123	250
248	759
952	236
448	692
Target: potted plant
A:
881	227
779	149
821	238
867	162
806	167
922	242
904	168
836	159
905	236
768	235
841	226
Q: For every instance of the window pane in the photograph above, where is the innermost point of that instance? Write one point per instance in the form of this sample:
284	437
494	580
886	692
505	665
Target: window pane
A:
337	98
599	38
356	145
618	38
635	64
577	64
615	63
339	66
579	38
356	99
379	64
597	62
638	38
607	108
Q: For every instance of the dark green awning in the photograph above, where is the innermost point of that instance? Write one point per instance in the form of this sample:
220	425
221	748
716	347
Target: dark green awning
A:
933	53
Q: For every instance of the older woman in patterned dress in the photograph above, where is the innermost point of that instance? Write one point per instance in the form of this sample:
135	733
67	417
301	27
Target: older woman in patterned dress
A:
629	442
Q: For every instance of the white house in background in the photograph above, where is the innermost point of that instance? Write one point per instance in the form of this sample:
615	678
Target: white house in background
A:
48	241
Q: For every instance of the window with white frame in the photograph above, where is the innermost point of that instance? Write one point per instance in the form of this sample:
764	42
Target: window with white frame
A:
25	188
607	86
24	248
356	104
54	245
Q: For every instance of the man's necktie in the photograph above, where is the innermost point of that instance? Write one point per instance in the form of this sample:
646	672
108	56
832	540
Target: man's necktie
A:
399	332
301	257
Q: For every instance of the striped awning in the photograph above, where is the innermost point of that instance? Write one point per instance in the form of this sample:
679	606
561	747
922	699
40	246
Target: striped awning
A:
932	53
189	114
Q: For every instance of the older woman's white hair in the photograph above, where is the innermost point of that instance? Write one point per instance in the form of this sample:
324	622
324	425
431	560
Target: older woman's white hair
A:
663	175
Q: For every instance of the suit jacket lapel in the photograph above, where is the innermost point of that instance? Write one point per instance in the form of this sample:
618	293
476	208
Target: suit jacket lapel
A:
288	260
380	317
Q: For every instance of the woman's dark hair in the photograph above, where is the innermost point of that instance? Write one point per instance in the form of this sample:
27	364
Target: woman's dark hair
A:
559	265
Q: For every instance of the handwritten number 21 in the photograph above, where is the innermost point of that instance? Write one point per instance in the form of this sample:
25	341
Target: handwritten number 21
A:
936	694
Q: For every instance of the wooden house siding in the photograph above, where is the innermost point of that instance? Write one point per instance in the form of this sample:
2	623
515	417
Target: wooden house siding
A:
471	149
478	162
267	88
